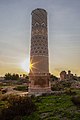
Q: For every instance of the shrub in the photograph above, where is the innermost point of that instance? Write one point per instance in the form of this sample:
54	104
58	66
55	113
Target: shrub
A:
33	116
18	106
61	85
70	92
33	96
45	94
4	91
18	118
38	99
76	100
56	87
21	88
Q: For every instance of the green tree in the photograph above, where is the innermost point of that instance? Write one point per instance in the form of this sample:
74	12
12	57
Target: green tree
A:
27	77
15	77
8	76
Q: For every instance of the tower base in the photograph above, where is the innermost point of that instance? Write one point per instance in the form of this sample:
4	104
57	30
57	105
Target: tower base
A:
39	90
39	83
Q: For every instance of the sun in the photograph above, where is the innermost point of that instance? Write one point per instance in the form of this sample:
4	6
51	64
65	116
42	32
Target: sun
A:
33	65
28	65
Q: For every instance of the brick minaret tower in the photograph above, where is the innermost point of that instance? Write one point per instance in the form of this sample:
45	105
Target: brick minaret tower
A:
39	60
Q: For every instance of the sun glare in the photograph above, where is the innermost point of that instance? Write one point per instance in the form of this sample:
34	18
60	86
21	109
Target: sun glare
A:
28	65
31	65
25	65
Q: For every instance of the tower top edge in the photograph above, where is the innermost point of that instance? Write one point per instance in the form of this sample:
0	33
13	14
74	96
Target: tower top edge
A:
41	9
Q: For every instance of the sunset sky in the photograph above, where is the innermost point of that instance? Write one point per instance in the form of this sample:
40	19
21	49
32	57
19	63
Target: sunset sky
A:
63	38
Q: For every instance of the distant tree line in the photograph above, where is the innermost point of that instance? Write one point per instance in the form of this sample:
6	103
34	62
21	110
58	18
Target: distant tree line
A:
9	76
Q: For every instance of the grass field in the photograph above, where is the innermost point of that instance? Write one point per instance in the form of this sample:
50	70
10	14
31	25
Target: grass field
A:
54	107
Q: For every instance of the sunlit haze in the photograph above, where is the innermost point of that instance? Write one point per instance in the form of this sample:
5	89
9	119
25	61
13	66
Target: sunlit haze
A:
63	35
25	65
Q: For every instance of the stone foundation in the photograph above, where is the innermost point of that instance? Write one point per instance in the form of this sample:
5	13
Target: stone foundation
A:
39	90
39	83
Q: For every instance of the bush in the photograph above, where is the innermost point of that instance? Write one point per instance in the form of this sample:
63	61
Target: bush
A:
4	91
34	116
18	106
61	85
56	87
66	84
21	88
45	94
38	99
76	100
70	92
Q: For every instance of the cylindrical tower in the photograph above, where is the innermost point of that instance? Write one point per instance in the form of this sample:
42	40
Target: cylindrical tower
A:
39	61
